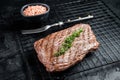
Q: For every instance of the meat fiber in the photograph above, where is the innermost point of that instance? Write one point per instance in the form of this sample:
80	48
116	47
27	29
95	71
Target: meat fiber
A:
82	45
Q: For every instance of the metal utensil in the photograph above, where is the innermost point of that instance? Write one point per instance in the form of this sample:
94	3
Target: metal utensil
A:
38	30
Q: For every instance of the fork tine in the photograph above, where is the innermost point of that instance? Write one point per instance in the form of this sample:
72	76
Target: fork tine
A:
33	30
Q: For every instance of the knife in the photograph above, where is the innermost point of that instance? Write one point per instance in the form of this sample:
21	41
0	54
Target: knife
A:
38	30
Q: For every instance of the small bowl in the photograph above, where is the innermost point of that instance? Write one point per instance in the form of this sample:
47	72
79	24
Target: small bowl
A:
36	19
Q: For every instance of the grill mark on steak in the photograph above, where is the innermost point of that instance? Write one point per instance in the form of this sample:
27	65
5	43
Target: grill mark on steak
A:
53	43
88	36
80	47
48	47
73	50
38	49
43	48
58	40
37	46
90	39
83	37
63	58
68	55
56	46
51	40
60	59
68	32
77	51
84	43
52	49
66	36
76	42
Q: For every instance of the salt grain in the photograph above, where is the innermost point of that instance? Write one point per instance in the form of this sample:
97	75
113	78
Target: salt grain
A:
34	10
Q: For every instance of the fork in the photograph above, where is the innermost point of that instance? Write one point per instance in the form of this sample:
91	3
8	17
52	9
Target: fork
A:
38	30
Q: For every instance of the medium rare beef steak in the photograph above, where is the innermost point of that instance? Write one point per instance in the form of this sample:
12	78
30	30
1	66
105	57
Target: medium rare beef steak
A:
82	45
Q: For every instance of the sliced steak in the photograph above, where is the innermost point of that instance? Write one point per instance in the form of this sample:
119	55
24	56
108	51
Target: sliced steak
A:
82	45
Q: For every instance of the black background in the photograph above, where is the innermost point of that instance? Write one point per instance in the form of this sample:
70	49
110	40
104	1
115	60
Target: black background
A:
12	65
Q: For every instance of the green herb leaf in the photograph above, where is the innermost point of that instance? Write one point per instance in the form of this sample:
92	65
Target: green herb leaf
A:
68	42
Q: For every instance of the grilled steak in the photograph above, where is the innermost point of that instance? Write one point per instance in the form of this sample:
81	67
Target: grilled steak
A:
82	45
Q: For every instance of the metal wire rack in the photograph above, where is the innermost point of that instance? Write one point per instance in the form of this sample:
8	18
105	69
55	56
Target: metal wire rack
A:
105	26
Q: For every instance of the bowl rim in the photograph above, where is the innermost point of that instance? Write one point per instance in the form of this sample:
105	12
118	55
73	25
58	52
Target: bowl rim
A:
45	5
